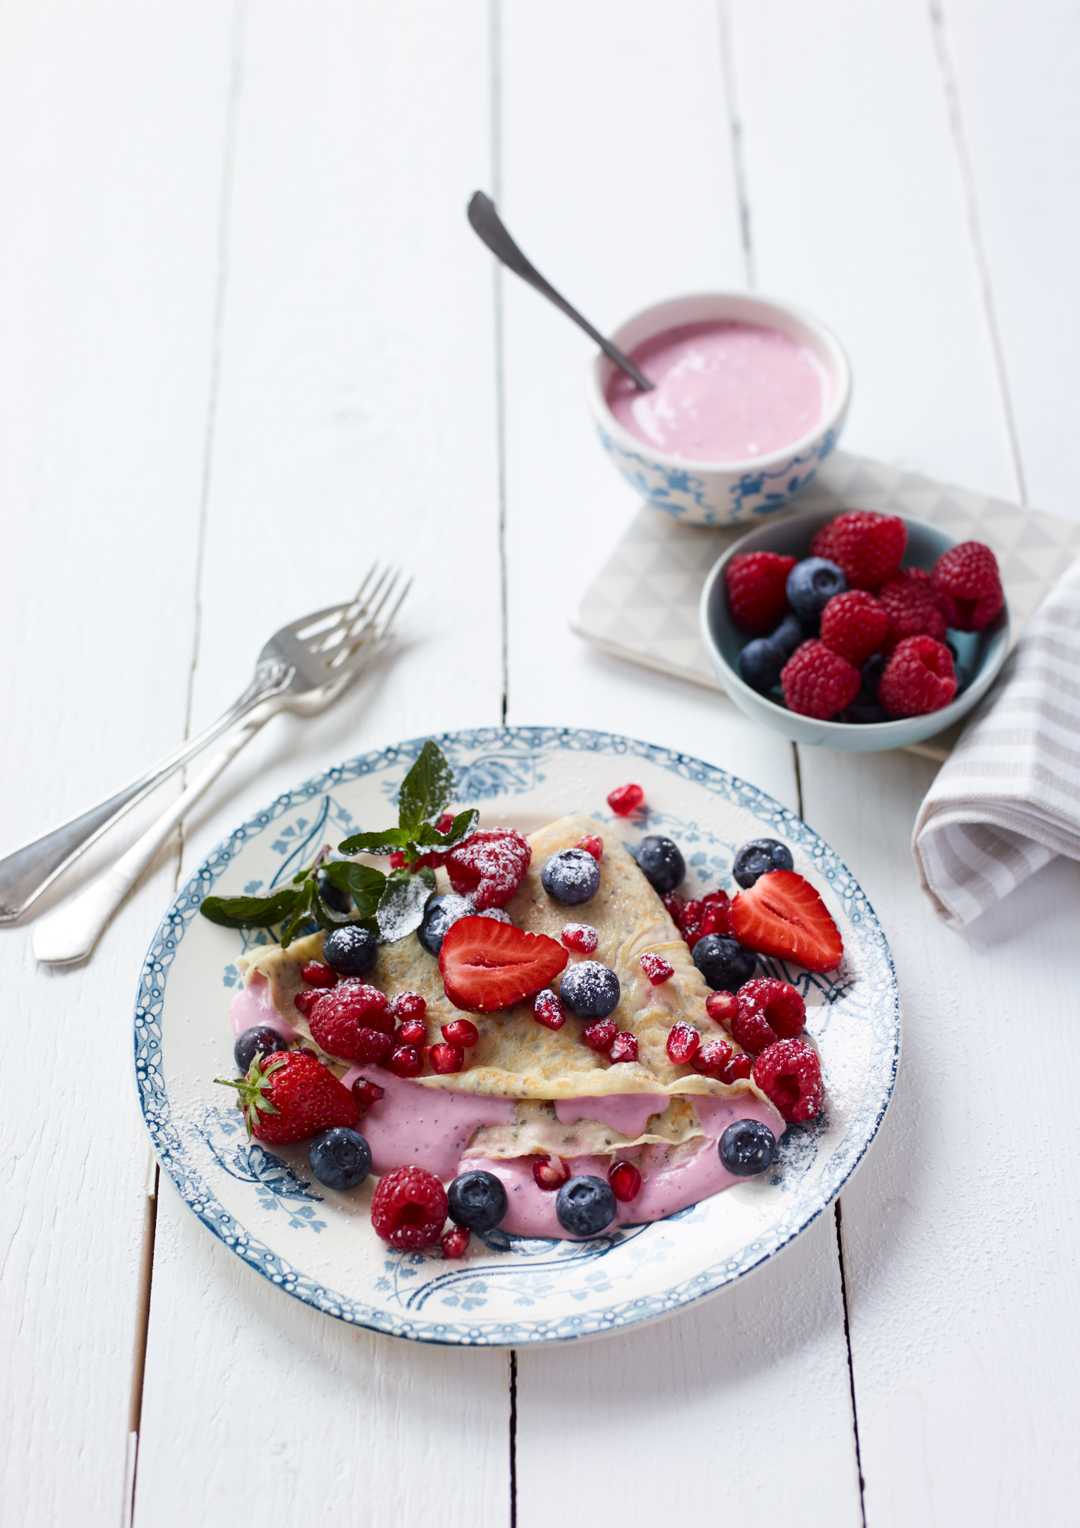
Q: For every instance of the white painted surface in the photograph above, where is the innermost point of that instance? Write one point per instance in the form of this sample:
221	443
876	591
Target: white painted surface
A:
241	310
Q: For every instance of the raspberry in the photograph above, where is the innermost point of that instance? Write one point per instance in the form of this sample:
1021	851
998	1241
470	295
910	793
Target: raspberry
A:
737	1067
405	1061
599	1036
789	1074
625	799
409	1208
967	584
455	1243
818	682
446	1059
866	545
712	1058
722	1006
908	598
579	936
304	1002
782	1006
366	1093
919	677
854	624
489	866
592	844
412	1032
623	1047
318	975
756	591
625	1181
657	969
550	1173
461	1032
408	1005
682	1042
548	1010
352	1021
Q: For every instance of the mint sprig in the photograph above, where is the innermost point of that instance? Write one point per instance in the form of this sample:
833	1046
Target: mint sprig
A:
425	792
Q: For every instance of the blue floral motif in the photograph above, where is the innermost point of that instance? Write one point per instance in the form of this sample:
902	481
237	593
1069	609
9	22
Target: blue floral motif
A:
565	1289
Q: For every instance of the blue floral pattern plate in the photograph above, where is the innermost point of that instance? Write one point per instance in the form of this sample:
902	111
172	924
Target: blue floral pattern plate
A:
319	1245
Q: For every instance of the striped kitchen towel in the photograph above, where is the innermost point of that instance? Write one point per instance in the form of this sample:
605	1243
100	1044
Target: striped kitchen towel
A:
1008	798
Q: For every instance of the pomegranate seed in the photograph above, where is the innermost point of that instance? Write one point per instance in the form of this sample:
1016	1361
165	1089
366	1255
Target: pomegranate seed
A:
737	1067
548	1010
550	1173
625	1181
711	1059
690	922
592	844
366	1093
682	1042
579	936
674	904
445	823
657	969
625	799
318	975
408	1005
446	1058
623	1047
306	1050
412	1032
598	1036
715	917
305	1001
722	1006
405	1061
397	859
455	1243
461	1032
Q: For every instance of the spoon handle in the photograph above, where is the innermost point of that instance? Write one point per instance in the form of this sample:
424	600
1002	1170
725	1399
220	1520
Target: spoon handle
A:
491	229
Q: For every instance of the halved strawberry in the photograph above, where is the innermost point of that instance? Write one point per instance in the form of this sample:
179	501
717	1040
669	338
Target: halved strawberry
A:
487	965
782	915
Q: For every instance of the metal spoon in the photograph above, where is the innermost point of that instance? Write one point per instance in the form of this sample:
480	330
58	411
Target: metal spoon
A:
490	227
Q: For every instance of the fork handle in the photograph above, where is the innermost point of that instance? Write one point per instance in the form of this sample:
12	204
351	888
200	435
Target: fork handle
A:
26	872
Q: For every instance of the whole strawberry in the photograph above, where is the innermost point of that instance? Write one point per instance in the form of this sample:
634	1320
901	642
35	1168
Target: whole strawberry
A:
756	590
290	1097
868	546
967	583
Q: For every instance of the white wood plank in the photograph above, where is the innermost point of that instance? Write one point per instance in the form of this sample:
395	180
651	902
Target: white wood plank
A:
110	158
356	418
1014	70
625	197
857	212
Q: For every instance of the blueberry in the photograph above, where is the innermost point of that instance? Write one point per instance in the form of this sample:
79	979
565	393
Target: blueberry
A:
590	990
811	584
439	914
723	962
760	663
789	634
747	1147
340	1158
570	877
585	1205
661	863
872	671
758	857
477	1201
863	711
333	896
350	951
253	1041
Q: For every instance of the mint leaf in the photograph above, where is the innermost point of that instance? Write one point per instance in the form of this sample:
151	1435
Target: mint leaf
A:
375	843
364	884
302	913
429	837
252	912
401	907
427	787
329	917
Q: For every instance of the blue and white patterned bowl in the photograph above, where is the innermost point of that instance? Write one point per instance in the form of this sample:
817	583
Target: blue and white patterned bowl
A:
318	1245
722	493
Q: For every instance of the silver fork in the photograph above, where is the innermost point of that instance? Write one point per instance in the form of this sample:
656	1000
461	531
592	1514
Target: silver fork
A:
309	656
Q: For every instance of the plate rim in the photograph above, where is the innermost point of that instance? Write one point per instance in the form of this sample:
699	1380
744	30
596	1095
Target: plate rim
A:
169	1146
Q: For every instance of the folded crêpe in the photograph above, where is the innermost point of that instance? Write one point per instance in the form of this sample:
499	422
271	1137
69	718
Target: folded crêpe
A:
519	1058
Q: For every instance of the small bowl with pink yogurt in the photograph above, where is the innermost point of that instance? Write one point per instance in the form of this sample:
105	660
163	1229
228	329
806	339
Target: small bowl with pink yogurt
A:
750	397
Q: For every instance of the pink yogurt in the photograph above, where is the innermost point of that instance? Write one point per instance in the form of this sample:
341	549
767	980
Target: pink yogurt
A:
725	391
253	1006
425	1127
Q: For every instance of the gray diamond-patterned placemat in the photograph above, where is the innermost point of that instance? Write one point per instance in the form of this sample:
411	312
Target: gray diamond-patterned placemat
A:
643	605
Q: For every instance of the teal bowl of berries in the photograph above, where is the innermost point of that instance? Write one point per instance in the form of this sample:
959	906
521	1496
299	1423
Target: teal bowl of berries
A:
855	630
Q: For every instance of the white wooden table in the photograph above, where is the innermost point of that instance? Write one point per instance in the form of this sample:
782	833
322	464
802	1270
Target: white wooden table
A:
247	341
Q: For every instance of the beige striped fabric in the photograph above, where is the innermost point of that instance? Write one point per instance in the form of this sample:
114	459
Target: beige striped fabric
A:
1008	798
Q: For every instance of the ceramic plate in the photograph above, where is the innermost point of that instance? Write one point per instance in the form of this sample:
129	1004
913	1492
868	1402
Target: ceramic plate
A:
318	1245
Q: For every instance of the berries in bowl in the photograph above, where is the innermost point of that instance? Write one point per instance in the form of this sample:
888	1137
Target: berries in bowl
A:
855	630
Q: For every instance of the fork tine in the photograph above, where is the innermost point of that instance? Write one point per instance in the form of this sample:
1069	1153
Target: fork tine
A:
364	631
330	639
